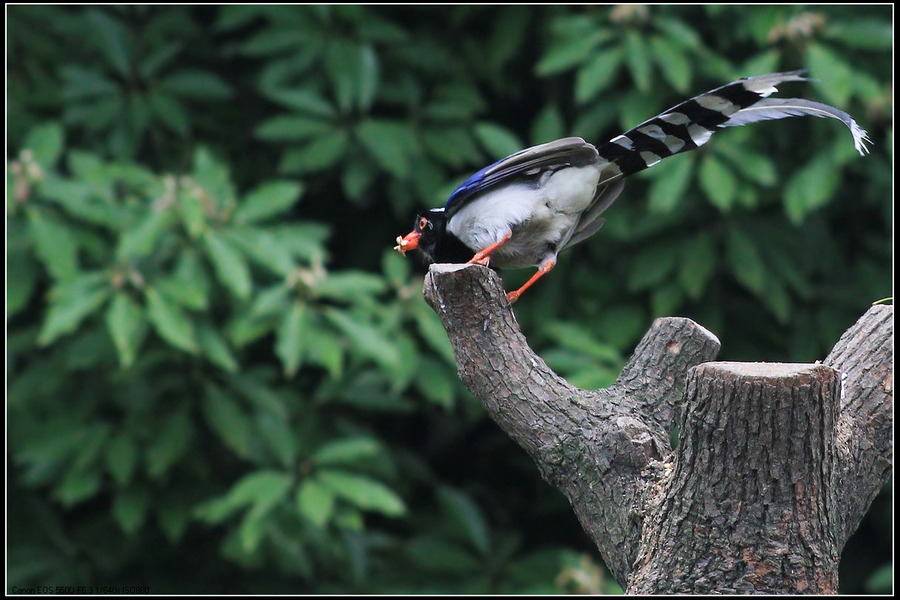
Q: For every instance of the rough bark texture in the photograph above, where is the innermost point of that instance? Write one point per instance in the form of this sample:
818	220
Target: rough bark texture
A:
747	506
774	471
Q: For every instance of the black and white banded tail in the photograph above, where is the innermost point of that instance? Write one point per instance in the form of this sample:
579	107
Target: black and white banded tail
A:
690	124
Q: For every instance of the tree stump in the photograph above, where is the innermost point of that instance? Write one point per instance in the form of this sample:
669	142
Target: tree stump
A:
776	465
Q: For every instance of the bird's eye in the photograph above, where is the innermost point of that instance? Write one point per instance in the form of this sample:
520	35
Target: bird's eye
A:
423	223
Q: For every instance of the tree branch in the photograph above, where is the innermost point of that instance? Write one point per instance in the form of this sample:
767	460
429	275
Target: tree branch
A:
865	357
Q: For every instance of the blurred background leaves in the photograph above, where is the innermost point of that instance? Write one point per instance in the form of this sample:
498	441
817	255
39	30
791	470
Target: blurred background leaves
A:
220	377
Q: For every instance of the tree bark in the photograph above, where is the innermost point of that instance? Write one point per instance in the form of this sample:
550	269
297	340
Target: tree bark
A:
776	466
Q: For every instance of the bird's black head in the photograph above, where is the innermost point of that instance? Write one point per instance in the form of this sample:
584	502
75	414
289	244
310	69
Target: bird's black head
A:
430	236
427	231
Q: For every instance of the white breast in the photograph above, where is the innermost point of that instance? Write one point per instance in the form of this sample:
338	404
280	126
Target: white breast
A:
540	216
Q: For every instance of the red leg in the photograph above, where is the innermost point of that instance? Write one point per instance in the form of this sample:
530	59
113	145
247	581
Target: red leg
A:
545	268
481	258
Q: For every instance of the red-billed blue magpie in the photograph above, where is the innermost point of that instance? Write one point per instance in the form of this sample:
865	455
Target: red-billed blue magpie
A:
525	209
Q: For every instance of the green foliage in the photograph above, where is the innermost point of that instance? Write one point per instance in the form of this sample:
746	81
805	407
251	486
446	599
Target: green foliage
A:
207	360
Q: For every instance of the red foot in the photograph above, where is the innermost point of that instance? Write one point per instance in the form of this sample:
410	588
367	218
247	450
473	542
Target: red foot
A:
545	268
482	258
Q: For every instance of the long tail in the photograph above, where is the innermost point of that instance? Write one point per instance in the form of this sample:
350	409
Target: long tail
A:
690	124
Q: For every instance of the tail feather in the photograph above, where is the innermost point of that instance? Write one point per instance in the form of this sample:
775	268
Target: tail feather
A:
769	109
690	124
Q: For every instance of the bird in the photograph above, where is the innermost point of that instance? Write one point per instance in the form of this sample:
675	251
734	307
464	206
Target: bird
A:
525	209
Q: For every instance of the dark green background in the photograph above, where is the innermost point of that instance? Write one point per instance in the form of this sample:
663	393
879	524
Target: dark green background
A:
222	380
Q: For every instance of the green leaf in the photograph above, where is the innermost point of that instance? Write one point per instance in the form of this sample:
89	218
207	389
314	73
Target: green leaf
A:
430	328
350	285
271	301
169	444
622	325
363	492
276	432
358	177
548	125
637	57
746	263
568	52
766	62
882	580
141	238
291	338
810	188
324	349
213	176
215	348
159	57
865	34
777	299
348	518
268	200
665	299
578	338
71	303
110	36
53	244
230	266
303	100
315	502
598	74
390	143
435	381
291	128
196	84
718	183
452	145
21	277
367	340
678	31
230	422
127	325
303	240
671	181
77	486
497	140
262	490
173	520
121	458
367	85
191	209
129	509
88	84
346	451
170	112
650	267
264	247
45	142
671	62
352	69
758	168
466	516
170	322
323	152
188	285
832	75
435	554
697	264
396	269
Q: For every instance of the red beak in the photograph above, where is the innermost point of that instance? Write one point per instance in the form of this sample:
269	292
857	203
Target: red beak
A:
410	242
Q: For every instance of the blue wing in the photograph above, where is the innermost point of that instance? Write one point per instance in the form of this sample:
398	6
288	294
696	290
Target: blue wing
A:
567	152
